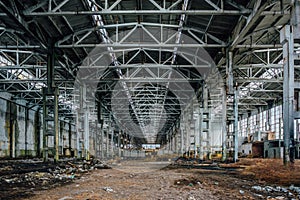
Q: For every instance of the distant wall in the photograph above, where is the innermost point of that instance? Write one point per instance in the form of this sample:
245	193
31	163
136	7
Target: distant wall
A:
20	127
21	130
4	127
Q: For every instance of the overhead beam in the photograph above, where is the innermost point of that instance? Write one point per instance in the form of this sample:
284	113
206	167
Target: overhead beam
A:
152	12
251	20
141	12
163	45
20	22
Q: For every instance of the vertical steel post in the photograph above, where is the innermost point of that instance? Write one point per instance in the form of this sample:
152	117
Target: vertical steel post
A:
70	136
201	142
119	143
26	129
96	139
77	150
56	125
86	135
174	138
45	138
187	133
236	131
181	139
197	131
102	142
112	142
86	127
107	141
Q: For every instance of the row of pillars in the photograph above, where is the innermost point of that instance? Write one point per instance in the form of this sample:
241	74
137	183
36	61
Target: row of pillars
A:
107	142
191	134
288	35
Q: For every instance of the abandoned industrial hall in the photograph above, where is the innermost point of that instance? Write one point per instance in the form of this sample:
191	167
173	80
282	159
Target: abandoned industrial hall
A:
149	99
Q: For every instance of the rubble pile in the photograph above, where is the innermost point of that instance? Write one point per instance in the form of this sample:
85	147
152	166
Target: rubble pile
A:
184	160
28	175
279	192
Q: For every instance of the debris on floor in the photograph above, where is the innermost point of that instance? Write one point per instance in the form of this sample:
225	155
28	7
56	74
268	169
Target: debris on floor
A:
108	189
28	175
81	180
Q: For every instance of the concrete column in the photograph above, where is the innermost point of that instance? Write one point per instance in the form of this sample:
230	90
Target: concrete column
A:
286	38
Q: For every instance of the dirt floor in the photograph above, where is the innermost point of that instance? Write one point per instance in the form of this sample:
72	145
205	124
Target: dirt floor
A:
247	179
